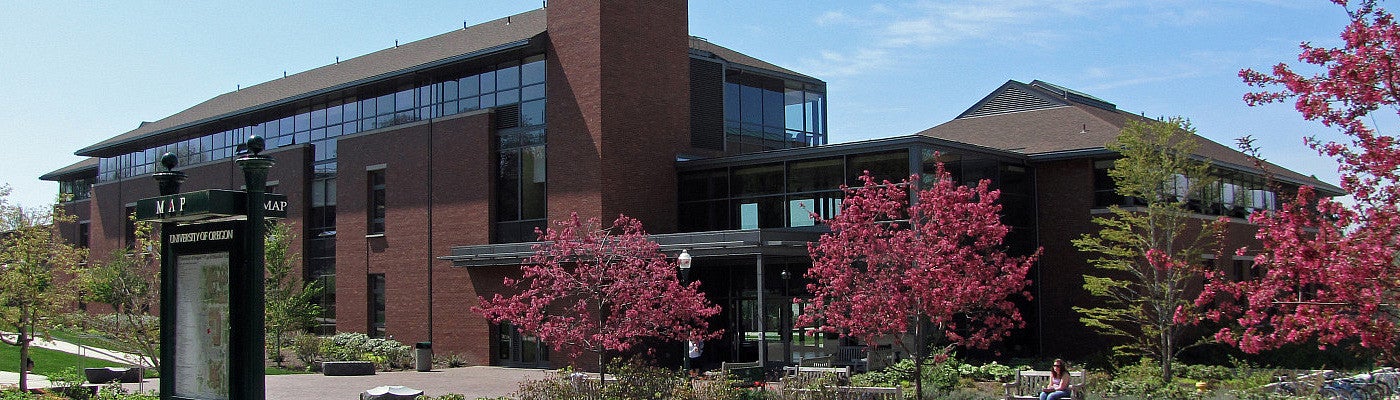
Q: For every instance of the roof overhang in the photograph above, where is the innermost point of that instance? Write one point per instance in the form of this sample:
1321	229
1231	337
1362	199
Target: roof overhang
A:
104	149
789	242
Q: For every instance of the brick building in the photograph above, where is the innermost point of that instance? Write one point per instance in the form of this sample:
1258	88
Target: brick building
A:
417	174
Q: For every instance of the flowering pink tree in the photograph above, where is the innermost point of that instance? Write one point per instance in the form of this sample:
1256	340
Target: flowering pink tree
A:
596	289
1330	268
889	267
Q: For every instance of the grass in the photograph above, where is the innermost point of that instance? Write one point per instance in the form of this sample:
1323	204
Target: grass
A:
284	371
48	362
89	340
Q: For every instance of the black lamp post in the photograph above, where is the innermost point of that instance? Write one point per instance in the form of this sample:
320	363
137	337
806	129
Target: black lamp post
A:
247	344
169	183
683	262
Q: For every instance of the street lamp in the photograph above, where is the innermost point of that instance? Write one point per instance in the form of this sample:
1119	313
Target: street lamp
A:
683	262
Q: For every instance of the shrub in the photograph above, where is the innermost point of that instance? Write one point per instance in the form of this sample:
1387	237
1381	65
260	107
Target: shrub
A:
307	349
938	378
453	360
353	346
991	371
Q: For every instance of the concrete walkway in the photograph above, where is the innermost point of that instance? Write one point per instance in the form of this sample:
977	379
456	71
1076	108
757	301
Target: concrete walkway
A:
8	379
473	382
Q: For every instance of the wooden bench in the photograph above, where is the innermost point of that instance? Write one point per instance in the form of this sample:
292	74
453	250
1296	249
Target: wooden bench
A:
801	372
1029	383
823	361
747	372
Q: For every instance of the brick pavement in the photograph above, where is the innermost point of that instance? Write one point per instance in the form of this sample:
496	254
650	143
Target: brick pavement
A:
474	382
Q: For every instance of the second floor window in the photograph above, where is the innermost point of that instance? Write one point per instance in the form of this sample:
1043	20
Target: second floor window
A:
377	205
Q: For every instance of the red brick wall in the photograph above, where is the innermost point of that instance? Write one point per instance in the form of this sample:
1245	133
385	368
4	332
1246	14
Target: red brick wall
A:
105	210
438	171
1065	204
461	195
618	108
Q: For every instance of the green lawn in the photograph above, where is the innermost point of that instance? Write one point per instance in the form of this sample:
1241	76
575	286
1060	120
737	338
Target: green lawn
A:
48	362
284	371
89	340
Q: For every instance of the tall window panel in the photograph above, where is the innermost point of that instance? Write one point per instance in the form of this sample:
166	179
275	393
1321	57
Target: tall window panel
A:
375	303
377	202
520	184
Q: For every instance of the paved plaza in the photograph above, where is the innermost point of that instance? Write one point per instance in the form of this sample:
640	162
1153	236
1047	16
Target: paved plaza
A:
473	382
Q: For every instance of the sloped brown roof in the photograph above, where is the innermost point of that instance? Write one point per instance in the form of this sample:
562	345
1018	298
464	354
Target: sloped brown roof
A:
1080	128
85	168
741	58
379	64
385	63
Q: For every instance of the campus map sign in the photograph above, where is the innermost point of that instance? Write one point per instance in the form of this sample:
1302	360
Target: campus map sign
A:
204	255
206	204
205	238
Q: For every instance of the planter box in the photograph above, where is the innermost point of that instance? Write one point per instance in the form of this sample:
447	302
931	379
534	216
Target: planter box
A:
347	368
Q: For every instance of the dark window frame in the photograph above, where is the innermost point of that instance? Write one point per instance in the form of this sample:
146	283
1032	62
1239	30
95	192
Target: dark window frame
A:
377	204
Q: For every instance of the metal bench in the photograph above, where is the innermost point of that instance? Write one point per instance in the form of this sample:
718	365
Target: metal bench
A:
1029	383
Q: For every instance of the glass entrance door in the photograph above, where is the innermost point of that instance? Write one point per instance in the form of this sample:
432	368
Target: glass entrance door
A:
515	349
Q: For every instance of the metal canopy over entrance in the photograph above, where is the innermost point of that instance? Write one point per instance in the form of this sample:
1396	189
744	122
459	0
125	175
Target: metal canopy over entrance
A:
752	274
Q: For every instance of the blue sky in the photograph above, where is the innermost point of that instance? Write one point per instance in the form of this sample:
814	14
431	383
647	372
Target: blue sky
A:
72	74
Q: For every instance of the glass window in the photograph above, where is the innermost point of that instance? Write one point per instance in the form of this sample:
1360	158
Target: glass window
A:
376	305
532	72
532	92
318	118
508	186
532	183
287	126
508	76
814	175
532	113
469	103
506	97
892	166
378	206
403	100
488	81
488	100
449	90
303	121
731	101
335	114
469	86
704	185
762	179
773	108
751	103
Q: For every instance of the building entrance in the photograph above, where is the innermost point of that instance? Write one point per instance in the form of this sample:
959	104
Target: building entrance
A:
520	350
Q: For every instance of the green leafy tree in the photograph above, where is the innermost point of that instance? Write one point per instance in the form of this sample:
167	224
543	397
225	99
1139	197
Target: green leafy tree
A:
1147	255
290	305
129	281
33	259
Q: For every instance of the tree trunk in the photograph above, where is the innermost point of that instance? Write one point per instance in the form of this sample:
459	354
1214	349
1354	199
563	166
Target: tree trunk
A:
1166	357
23	339
919	356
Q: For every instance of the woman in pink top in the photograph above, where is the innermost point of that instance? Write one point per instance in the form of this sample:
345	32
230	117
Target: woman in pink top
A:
1059	383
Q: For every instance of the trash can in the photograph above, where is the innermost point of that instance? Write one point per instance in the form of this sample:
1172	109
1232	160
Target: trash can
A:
423	356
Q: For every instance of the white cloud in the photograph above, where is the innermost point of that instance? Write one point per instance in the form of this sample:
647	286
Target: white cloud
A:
833	64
